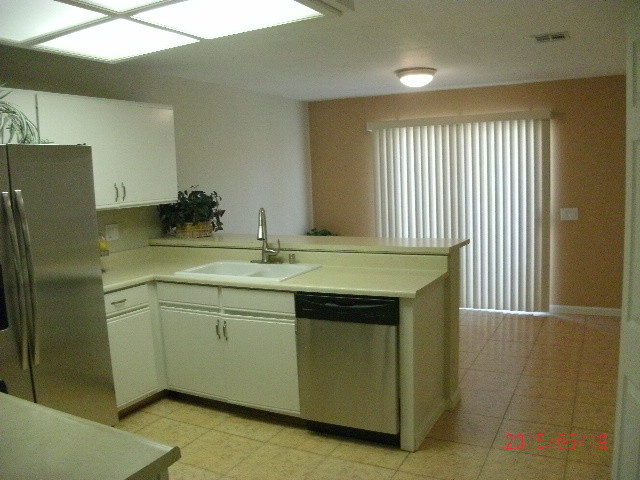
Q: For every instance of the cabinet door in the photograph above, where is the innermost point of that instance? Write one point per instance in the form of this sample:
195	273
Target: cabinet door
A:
133	356
132	144
261	363
193	352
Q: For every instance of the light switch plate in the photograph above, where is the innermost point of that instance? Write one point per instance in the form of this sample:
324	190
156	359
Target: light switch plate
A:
568	214
111	232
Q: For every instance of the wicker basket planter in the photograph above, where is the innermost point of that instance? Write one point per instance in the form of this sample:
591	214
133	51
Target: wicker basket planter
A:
194	230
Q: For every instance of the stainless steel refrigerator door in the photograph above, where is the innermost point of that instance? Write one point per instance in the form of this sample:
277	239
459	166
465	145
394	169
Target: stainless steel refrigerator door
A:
347	374
71	364
14	360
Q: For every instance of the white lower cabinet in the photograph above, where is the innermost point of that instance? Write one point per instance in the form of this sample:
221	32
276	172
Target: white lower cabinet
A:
130	324
235	345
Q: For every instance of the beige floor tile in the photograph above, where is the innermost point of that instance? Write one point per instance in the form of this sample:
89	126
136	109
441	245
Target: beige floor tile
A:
446	460
560	339
507	465
594	417
482	380
137	420
508	349
272	462
200	415
182	471
411	476
466	359
370	454
249	427
540	410
164	406
218	451
545	387
597	354
171	432
499	363
338	469
596	393
455	426
490	322
516	331
550	351
586	471
594	446
532	438
538	367
484	402
476	331
473	345
599	372
613	322
303	439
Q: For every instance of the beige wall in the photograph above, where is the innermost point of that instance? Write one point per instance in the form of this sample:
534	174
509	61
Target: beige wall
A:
587	170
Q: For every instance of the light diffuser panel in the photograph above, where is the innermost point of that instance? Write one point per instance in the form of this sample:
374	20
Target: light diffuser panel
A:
120	5
115	40
22	20
209	19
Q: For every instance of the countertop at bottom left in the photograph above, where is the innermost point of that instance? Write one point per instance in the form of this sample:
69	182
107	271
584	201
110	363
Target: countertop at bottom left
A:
39	442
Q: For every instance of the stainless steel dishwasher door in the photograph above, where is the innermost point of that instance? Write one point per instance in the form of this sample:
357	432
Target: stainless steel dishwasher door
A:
348	374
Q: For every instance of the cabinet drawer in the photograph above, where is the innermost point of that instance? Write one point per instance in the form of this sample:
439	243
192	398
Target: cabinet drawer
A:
260	300
126	299
184	293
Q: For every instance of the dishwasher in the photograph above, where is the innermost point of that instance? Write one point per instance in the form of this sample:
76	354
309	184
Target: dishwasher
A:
348	364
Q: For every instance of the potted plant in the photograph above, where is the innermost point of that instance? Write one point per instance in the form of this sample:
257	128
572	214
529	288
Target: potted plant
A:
14	125
194	214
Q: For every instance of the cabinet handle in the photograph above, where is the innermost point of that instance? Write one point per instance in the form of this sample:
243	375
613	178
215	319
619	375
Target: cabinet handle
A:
224	330
218	328
124	192
118	302
117	192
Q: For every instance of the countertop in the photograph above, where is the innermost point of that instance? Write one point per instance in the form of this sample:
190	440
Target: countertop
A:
159	263
42	443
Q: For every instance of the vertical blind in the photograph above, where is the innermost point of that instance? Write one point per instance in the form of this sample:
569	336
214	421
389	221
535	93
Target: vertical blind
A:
478	178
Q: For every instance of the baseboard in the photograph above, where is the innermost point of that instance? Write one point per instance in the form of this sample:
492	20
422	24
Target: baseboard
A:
576	310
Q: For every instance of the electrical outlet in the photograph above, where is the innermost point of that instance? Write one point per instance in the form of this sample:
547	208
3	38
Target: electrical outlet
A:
111	232
568	214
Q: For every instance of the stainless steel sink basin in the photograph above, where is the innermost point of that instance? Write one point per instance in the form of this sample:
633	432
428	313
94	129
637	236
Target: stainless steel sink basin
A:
247	271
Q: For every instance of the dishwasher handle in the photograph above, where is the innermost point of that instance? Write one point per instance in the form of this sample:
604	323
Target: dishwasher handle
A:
348	308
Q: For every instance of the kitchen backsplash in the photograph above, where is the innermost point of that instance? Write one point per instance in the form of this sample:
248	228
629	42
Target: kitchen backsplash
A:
135	227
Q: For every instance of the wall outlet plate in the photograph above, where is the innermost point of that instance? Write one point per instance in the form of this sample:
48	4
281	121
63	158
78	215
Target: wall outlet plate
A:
111	232
568	214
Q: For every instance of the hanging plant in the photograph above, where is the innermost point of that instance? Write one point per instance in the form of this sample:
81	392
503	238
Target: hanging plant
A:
15	126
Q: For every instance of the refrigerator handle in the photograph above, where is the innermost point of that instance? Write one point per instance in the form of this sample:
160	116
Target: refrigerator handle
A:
22	326
30	290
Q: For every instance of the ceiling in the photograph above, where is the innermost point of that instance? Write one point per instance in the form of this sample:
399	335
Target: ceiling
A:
469	42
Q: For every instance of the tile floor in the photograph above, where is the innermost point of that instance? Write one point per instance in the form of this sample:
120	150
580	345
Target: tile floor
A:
521	377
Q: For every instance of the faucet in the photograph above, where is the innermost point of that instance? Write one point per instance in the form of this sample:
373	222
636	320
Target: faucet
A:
267	251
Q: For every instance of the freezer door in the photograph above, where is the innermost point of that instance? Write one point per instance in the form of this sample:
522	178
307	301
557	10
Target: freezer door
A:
52	187
14	360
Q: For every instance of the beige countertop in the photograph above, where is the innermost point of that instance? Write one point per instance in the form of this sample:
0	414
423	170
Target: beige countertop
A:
42	443
420	246
157	262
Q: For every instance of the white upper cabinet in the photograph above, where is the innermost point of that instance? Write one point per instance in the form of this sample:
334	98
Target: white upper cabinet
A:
133	145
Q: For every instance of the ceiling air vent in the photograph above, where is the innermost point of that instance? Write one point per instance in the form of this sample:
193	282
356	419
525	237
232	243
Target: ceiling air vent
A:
551	37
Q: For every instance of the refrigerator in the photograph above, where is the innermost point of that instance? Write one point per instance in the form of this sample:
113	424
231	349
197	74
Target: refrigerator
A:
54	346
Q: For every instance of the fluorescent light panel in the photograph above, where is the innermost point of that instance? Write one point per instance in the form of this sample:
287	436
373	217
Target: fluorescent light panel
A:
120	5
22	20
209	19
115	40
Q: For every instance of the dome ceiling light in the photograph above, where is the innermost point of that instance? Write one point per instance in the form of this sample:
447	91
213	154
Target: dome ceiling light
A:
416	77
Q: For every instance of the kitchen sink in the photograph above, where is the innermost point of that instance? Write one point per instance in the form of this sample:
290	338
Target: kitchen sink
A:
247	271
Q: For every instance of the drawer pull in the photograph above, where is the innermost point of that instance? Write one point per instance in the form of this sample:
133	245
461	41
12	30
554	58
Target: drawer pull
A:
218	328
118	302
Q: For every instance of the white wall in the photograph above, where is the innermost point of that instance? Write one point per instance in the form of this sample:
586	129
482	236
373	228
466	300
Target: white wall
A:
253	149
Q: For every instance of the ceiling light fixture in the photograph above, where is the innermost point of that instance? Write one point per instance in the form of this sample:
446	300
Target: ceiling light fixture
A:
416	76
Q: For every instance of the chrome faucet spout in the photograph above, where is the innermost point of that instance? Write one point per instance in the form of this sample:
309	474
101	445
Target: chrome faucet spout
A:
267	250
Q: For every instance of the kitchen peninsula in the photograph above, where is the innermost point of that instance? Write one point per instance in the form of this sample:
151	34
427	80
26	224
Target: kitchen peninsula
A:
422	273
